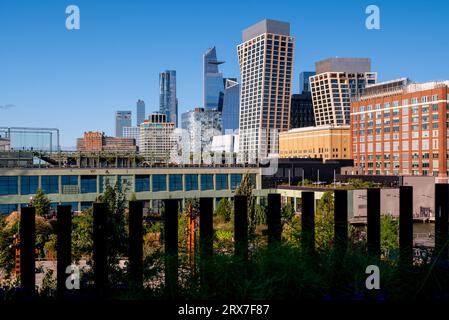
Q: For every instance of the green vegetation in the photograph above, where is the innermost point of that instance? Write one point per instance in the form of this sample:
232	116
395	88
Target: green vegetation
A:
224	210
41	203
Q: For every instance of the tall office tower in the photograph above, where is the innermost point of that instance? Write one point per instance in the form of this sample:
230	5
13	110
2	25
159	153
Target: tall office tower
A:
266	61
213	88
140	114
399	128
301	111
231	105
304	82
156	138
337	80
122	119
132	132
168	103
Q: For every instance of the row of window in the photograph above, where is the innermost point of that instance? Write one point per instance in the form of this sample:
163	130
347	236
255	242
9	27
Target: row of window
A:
9	185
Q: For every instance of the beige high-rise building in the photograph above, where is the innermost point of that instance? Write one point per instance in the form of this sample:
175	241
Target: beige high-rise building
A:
156	138
337	80
266	67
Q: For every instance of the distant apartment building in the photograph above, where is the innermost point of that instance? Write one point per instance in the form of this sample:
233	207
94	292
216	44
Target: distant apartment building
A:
266	62
228	143
335	82
400	128
99	142
301	111
122	119
132	132
326	142
231	105
156	138
201	126
140	112
168	102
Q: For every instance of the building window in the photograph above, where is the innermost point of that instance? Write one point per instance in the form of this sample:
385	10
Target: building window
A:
74	205
50	184
86	205
221	181
207	182
69	184
88	184
191	182
142	183
235	181
29	184
159	182
7	208
175	182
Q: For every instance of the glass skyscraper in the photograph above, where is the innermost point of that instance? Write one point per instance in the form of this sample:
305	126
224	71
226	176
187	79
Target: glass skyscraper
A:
304	81
231	105
168	103
140	114
213	87
122	119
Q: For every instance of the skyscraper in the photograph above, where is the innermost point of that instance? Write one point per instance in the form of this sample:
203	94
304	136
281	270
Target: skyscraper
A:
301	112
213	87
266	61
168	103
156	138
122	119
337	80
304	82
140	114
231	105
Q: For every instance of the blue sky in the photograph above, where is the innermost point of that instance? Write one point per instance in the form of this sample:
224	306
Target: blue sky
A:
75	80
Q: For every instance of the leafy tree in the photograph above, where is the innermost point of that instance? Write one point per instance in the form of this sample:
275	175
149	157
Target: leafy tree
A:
389	230
246	189
324	224
260	214
224	210
287	212
116	223
360	184
41	203
82	235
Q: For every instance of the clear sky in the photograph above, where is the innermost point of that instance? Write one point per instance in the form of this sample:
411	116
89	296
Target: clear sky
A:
75	80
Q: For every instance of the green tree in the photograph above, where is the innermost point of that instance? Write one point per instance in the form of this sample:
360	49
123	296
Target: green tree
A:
246	189
389	231
260	214
82	235
224	210
324	224
41	203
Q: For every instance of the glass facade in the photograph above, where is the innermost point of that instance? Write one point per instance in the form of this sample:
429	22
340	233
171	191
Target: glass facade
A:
159	182
213	86
125	183
191	182
29	184
221	181
88	184
8	185
7	208
235	181
168	103
142	183
231	106
175	182
207	182
50	184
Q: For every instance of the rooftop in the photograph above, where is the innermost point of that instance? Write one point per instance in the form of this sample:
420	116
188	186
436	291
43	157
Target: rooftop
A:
266	26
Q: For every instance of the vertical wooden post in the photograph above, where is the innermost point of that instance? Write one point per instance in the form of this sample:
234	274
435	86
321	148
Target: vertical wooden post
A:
441	220
100	212
27	249
308	221
274	218
171	247
135	248
206	227
241	227
63	247
341	219
406	225
373	221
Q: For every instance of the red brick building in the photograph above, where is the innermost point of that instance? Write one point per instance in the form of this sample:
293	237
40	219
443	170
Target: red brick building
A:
401	128
98	141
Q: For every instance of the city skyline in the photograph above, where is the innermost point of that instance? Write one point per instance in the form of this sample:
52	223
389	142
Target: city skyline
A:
86	70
